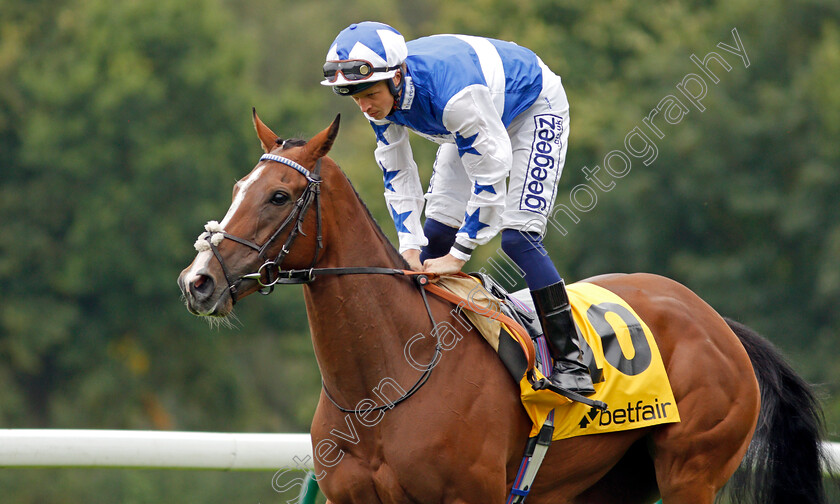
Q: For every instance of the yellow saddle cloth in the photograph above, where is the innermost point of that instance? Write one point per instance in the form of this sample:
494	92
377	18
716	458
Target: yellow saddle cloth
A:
624	361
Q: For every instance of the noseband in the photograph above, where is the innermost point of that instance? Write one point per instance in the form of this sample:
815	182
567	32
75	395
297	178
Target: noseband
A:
271	268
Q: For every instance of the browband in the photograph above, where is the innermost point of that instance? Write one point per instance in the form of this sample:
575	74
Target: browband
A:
288	162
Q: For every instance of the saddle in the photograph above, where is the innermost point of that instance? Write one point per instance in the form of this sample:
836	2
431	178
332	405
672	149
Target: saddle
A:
508	325
515	335
618	348
517	305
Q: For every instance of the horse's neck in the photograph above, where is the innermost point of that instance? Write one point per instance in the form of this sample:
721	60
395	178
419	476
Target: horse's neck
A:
360	323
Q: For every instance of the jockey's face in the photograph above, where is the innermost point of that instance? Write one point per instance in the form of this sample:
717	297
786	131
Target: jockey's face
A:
375	101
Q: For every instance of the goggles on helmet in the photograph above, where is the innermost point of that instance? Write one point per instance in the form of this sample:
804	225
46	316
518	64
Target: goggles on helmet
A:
353	70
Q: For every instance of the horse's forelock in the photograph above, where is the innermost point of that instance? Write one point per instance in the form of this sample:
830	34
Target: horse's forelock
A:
292	142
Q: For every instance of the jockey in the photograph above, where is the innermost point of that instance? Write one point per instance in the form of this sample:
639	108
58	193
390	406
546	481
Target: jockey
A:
501	119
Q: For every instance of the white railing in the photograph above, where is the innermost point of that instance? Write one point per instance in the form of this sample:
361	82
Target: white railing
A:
153	449
181	450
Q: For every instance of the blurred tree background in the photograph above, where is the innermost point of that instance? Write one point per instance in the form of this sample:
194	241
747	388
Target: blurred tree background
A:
123	126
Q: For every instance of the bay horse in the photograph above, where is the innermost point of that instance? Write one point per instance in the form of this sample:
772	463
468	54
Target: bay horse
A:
454	432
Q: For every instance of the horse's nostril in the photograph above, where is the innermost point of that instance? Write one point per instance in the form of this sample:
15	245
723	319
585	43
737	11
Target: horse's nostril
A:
202	286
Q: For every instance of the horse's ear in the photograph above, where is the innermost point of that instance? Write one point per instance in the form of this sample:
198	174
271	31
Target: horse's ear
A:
268	138
321	143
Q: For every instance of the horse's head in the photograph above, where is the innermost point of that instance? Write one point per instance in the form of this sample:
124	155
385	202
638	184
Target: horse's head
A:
274	221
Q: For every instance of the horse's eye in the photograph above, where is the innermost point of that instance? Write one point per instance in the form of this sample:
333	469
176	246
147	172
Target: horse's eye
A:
279	198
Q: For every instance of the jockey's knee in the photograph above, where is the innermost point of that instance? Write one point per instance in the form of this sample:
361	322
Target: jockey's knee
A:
440	236
527	251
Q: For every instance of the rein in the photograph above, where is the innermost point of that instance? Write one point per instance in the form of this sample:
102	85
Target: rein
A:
311	194
273	274
422	281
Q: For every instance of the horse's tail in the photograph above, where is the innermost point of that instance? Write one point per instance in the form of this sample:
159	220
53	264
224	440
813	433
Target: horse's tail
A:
783	464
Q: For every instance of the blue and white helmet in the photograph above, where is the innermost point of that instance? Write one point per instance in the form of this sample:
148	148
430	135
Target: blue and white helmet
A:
362	54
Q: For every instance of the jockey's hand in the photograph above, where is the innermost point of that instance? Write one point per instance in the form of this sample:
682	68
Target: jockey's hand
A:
412	257
447	264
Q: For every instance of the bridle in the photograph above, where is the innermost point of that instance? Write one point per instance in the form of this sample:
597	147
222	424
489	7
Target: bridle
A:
274	273
271	272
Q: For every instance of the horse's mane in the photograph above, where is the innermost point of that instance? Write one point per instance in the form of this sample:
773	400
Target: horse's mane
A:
392	251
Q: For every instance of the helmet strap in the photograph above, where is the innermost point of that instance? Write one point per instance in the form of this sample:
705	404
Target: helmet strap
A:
395	91
393	88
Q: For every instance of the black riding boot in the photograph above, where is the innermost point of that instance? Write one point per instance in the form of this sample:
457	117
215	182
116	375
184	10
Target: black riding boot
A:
555	314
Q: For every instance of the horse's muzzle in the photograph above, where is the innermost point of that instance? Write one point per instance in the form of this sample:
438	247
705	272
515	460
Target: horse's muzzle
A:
200	292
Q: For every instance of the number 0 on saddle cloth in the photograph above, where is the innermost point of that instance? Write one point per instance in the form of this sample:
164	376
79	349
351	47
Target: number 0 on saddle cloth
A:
618	348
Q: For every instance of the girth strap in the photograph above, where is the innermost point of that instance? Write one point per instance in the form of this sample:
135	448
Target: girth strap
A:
535	452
